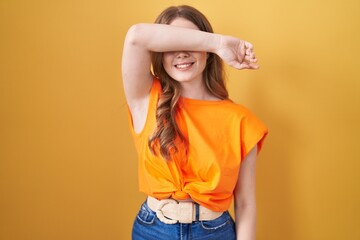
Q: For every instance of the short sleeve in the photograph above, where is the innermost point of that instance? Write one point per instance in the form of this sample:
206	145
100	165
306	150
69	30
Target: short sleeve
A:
253	132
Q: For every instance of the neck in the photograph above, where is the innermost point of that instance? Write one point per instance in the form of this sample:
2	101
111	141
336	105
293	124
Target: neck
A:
195	91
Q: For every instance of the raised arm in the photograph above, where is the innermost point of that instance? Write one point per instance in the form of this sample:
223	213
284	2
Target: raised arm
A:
143	38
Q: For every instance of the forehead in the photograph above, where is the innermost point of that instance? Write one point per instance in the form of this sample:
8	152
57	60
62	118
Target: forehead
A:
182	22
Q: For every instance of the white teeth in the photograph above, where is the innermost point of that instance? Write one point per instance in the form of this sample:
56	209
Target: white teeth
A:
182	66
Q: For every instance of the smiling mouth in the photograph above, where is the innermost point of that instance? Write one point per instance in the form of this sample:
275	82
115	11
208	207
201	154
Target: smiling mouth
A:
182	66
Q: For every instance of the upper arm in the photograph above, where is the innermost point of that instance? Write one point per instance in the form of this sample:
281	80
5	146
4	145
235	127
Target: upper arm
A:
136	62
245	188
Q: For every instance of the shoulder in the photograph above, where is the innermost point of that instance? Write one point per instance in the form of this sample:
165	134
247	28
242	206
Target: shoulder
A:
237	109
243	115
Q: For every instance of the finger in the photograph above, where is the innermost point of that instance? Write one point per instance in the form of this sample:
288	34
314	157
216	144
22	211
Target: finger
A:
249	48
250	59
249	52
254	66
252	55
235	64
248	45
242	51
245	65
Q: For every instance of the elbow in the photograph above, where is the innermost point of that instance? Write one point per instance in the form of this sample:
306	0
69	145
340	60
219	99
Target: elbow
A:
134	34
245	209
245	204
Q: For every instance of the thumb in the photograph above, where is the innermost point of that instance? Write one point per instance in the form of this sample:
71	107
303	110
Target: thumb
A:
235	64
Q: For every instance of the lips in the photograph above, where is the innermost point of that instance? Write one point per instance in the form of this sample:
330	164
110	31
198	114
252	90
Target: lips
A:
184	66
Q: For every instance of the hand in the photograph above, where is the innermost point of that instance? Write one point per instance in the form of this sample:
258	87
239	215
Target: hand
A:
237	53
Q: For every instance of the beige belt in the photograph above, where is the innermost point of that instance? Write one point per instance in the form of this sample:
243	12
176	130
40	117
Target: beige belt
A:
170	211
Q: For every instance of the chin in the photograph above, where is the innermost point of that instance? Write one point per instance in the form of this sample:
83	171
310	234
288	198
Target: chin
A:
183	78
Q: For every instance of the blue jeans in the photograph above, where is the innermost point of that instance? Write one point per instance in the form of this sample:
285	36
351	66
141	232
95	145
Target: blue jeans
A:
148	227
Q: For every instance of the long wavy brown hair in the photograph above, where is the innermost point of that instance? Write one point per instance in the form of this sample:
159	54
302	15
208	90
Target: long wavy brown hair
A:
167	129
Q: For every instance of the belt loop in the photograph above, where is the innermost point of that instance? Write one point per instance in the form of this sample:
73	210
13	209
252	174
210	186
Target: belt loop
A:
197	210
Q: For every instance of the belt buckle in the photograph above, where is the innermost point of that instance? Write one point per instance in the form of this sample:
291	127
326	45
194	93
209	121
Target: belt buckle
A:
160	214
183	210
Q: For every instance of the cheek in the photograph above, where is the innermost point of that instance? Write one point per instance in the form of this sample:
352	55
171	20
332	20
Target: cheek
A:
203	59
166	61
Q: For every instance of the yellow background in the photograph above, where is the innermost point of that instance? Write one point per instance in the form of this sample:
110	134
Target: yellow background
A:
68	166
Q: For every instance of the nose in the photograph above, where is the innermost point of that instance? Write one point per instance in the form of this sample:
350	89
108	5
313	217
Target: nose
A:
182	54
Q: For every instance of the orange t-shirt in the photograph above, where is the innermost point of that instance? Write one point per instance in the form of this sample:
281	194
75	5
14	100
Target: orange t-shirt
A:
220	134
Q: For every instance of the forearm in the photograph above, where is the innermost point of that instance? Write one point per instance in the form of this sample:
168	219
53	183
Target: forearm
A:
245	221
165	38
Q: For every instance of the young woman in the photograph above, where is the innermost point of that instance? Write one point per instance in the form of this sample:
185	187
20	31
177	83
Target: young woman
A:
190	138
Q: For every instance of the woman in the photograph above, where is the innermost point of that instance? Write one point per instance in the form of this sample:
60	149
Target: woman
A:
190	138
